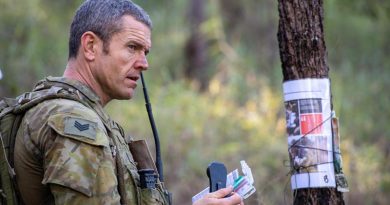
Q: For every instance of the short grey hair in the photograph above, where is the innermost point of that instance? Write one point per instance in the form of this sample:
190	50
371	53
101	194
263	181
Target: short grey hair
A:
102	17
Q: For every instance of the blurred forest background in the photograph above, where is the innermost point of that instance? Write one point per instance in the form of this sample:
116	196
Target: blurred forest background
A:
215	83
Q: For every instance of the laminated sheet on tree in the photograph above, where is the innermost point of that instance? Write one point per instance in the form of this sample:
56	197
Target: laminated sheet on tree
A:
309	131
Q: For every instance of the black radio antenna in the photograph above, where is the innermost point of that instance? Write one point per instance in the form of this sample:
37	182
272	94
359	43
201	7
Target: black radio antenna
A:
159	163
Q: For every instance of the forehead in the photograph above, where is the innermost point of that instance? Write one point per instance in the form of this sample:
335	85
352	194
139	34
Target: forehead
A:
133	30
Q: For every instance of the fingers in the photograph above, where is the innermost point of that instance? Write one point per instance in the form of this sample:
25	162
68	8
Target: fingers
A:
235	199
221	193
217	198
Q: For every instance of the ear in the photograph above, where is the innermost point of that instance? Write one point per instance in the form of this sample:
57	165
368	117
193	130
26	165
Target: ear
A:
90	45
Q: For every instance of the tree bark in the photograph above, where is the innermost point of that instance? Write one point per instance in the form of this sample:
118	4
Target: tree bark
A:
303	55
196	47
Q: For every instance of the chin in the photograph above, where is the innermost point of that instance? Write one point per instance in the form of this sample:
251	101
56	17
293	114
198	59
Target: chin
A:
127	97
130	95
124	96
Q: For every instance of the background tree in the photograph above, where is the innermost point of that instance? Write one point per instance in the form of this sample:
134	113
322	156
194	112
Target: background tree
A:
303	55
196	47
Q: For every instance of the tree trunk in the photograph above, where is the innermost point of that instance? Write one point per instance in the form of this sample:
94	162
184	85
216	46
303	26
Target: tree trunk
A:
303	55
196	47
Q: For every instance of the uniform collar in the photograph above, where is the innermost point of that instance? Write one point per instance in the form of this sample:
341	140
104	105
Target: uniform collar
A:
84	89
88	93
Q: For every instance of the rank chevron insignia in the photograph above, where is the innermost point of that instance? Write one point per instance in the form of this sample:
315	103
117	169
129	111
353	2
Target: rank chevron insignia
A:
80	126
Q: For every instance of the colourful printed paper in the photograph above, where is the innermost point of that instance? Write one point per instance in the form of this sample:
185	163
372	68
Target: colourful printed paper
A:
309	132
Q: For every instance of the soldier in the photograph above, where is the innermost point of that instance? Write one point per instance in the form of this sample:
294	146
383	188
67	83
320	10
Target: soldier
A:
70	151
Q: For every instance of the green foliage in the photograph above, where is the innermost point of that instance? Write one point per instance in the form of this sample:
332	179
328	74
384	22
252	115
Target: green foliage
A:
33	41
241	115
357	42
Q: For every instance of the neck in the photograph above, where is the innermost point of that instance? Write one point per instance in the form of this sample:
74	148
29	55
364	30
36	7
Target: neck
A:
80	71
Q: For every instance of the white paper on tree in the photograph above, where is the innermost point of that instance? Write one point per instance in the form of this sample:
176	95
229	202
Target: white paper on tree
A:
309	131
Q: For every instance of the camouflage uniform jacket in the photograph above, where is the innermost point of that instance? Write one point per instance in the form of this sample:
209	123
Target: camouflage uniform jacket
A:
71	152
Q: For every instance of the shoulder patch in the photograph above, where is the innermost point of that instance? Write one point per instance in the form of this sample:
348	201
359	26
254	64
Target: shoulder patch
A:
80	127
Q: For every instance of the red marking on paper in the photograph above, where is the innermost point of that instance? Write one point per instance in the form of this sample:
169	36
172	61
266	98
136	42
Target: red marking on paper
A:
311	123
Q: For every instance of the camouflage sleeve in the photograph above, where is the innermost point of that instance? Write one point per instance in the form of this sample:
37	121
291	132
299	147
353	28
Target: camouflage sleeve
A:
79	167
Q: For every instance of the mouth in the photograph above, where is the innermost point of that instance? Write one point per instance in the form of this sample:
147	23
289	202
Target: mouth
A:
133	78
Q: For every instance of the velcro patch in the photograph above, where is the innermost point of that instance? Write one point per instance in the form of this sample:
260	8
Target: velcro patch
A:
80	127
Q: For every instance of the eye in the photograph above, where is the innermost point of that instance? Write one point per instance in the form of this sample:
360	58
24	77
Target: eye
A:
132	47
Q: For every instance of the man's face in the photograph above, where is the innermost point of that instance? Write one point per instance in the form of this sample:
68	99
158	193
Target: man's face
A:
117	71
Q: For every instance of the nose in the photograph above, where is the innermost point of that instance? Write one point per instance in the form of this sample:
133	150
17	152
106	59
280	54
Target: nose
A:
142	63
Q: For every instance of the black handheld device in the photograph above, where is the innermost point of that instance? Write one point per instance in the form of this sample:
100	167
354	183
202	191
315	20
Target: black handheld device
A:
217	173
